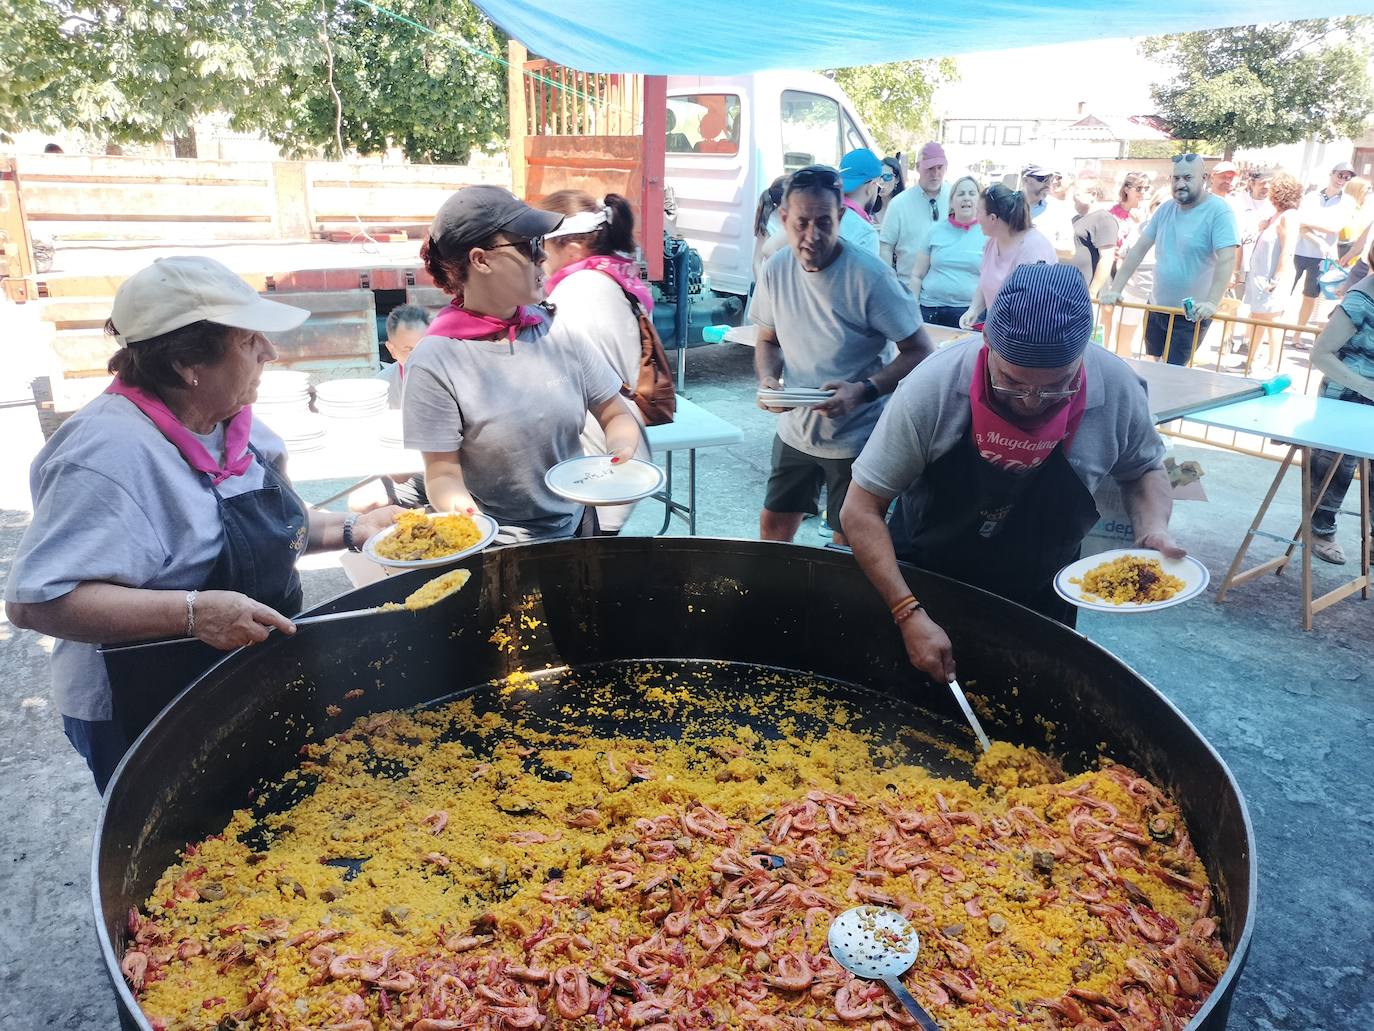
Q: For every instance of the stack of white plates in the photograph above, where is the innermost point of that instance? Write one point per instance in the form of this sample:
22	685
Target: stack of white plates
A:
391	433
282	392
351	398
794	397
303	432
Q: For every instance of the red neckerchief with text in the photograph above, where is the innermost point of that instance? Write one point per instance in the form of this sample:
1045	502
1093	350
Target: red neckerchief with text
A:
1016	448
457	323
858	210
237	457
613	265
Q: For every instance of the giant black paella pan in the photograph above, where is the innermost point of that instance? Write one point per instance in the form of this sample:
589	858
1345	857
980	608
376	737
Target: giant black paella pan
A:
734	605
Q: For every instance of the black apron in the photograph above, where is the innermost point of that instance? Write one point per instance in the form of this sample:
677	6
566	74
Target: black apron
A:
1007	533
265	532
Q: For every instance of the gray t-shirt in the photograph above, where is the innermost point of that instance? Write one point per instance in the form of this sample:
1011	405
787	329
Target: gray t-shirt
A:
1096	231
114	502
395	383
832	325
1186	242
930	414
512	410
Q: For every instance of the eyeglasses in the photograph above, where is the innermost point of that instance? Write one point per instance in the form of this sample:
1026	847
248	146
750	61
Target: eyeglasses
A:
935	209
1041	178
1186	156
1018	394
1345	175
887	177
532	249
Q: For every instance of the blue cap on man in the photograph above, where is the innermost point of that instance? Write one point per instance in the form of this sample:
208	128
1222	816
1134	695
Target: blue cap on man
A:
859	167
1042	318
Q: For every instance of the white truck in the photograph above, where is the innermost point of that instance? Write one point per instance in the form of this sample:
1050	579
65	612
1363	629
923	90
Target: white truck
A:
728	138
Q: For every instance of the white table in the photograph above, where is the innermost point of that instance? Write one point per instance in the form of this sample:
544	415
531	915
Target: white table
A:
692	427
1303	423
353	451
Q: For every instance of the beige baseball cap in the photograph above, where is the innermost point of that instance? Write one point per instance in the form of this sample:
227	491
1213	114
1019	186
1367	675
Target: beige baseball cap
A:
175	292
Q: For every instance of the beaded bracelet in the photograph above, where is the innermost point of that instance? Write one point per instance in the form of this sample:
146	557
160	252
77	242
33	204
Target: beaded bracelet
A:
907	613
191	613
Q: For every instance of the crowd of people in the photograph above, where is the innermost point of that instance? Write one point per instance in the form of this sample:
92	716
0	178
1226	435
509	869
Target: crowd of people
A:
163	508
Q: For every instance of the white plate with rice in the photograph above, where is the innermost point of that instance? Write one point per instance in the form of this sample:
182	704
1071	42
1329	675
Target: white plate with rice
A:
1068	582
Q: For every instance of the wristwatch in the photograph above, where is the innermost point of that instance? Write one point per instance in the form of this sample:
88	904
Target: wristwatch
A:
871	391
349	522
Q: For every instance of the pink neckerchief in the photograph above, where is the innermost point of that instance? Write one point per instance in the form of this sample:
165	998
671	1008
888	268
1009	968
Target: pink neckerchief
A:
1020	448
858	210
238	458
965	226
457	323
613	265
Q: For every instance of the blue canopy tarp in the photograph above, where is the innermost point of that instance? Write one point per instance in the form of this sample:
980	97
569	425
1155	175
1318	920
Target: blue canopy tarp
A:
727	37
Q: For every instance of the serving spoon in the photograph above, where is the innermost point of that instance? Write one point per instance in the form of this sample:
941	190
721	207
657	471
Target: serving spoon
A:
879	944
446	584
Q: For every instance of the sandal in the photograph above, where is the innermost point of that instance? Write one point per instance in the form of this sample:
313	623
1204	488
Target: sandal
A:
1328	549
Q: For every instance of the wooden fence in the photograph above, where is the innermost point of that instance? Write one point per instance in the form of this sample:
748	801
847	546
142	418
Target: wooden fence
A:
72	198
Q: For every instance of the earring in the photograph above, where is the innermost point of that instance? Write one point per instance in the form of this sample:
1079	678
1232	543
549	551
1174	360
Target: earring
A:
195	382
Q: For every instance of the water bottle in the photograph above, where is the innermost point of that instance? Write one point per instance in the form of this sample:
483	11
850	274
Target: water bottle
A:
1190	309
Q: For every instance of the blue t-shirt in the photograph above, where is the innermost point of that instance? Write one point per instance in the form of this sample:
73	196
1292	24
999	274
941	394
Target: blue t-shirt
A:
1357	353
1186	242
956	255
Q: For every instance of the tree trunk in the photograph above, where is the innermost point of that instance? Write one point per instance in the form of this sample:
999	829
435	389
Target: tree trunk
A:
1230	152
184	146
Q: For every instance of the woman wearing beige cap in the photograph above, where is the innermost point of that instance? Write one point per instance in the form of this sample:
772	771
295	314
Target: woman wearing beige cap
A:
161	509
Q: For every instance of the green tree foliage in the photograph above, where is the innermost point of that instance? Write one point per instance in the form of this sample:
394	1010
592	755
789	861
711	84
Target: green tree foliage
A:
1261	85
895	100
138	71
425	84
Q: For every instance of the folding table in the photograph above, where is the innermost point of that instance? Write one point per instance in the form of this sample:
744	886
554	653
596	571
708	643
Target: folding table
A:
1304	424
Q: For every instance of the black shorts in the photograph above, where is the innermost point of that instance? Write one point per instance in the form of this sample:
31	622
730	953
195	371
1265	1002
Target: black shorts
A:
1308	270
1181	345
794	485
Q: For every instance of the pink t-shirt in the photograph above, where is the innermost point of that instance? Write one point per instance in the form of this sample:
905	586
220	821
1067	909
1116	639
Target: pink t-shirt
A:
997	264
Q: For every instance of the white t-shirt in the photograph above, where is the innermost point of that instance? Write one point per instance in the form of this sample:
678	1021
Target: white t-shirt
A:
832	325
907	223
856	229
1331	214
593	306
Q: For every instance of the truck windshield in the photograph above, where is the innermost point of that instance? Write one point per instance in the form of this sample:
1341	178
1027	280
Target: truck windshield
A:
707	123
810	130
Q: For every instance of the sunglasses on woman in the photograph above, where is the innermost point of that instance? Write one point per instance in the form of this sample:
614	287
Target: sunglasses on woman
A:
533	249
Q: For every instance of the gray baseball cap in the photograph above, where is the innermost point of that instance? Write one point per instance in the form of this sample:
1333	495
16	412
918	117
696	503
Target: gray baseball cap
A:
474	213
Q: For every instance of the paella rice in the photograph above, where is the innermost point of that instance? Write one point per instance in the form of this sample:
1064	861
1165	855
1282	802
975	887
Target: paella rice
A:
422	536
451	868
1130	579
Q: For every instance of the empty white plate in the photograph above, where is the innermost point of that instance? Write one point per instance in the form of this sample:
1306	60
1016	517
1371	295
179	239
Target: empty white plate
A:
1188	569
593	480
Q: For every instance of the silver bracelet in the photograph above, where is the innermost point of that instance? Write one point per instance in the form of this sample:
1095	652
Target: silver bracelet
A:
349	543
191	613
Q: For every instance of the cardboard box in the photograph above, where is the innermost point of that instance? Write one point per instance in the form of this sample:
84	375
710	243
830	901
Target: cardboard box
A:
1113	529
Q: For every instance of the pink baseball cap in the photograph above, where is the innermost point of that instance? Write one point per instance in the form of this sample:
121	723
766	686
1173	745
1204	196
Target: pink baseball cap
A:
931	154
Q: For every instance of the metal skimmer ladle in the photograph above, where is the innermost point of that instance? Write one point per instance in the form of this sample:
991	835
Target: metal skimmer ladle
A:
879	944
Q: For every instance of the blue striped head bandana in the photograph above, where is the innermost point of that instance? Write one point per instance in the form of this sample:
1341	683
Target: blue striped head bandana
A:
1042	318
